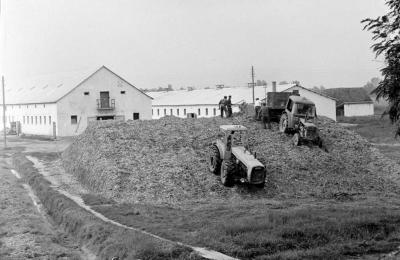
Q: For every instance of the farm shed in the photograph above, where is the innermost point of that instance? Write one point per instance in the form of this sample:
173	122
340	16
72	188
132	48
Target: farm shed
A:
351	101
65	103
203	102
325	105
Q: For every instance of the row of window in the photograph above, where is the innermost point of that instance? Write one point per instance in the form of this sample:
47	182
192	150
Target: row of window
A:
27	106
177	111
36	120
86	93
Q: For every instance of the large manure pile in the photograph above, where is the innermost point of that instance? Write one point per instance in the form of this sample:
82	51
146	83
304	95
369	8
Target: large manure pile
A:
165	161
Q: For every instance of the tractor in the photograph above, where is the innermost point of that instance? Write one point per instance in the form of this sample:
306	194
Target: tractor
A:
231	159
299	118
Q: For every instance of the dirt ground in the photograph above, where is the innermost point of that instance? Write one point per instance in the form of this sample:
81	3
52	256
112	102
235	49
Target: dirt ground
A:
26	232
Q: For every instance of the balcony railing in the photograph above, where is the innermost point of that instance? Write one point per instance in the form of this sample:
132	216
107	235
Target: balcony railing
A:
105	104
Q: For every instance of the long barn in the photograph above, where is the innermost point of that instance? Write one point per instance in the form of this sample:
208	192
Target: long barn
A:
64	104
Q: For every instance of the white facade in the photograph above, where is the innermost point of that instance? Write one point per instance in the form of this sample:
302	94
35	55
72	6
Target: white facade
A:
185	111
74	109
36	119
324	105
358	109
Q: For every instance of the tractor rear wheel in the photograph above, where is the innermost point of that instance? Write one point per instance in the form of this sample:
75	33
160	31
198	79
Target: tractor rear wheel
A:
283	124
296	139
214	164
227	171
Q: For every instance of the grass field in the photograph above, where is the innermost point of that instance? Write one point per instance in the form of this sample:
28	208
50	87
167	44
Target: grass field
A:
274	230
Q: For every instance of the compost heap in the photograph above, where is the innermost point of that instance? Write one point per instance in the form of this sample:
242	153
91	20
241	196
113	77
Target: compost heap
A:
165	161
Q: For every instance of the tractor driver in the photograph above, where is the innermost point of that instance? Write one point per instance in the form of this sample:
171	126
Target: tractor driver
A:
265	117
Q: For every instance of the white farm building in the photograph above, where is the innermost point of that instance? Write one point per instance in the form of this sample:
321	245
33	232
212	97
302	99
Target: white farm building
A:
204	102
64	104
352	101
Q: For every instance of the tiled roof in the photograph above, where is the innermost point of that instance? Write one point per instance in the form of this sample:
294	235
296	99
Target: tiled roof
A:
349	95
211	96
45	88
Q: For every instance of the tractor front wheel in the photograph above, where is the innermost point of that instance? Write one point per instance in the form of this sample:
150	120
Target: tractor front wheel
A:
215	160
227	172
283	124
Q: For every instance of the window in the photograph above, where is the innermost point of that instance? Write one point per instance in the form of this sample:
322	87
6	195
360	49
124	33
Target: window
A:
158	112
44	105
184	111
290	105
44	120
86	93
123	92
199	111
152	112
49	120
35	120
165	111
177	111
135	116
206	111
40	120
31	120
74	120
35	105
171	112
215	111
23	119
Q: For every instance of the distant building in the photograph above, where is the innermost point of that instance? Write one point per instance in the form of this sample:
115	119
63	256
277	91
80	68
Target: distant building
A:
351	101
204	102
67	102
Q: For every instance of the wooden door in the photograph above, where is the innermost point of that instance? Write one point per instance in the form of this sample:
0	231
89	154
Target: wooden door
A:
104	99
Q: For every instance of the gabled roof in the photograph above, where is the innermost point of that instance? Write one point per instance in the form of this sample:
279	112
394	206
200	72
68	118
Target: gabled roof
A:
316	92
48	88
349	95
210	96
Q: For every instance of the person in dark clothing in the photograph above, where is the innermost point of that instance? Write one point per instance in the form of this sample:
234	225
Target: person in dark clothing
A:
257	107
265	117
229	107
222	106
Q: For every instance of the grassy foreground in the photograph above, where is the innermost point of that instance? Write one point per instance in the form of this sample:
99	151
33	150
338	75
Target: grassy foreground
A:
274	230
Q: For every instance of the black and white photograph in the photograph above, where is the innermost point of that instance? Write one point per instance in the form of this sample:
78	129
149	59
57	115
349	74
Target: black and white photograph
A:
199	129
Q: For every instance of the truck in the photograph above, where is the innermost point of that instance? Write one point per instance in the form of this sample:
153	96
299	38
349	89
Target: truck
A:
276	102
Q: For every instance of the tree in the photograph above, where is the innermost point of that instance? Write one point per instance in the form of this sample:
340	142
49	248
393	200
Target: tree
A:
372	84
386	30
284	82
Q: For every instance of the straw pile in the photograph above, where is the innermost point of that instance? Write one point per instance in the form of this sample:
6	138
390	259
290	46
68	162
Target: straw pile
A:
165	161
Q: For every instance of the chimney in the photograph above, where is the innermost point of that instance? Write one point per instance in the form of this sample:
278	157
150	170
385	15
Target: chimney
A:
273	86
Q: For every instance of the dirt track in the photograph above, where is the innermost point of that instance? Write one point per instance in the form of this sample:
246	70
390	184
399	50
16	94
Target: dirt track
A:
26	232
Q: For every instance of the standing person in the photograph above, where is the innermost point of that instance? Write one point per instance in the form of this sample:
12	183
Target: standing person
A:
222	106
257	107
265	117
229	106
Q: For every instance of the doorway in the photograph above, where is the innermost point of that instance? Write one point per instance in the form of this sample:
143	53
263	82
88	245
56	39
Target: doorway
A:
105	117
104	99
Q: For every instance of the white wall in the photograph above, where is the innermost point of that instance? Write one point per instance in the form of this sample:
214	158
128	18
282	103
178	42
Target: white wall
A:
161	111
366	109
36	119
324	105
85	106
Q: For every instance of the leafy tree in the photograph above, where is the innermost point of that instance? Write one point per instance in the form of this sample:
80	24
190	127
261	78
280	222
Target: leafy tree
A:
386	35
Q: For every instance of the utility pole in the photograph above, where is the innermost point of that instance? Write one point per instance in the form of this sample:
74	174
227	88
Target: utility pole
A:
252	81
4	113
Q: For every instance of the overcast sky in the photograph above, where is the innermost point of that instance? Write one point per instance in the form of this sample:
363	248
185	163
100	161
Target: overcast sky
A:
198	43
